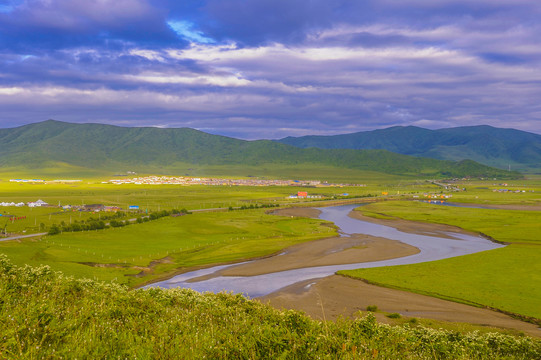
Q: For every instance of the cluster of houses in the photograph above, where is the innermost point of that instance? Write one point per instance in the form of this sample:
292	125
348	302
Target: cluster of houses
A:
90	207
435	196
304	195
38	203
186	180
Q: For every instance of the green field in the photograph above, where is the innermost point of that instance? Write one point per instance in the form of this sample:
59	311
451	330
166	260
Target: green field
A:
192	240
486	191
507	279
159	197
185	241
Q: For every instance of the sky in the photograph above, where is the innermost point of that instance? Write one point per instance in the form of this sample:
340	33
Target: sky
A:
255	69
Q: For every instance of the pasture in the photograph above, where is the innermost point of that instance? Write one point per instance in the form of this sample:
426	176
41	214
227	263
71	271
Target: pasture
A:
507	279
165	245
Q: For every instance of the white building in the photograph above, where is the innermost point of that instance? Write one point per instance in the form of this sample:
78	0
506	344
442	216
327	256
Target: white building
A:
37	203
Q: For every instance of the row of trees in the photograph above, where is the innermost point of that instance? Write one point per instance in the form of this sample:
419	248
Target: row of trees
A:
116	220
254	206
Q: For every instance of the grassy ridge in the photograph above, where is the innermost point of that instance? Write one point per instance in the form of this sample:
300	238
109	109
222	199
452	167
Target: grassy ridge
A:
507	279
62	317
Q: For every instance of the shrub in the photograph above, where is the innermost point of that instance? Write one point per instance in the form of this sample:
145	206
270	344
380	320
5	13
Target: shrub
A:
372	308
48	315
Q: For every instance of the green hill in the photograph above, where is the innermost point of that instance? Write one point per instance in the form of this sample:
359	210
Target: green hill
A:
61	317
485	144
156	150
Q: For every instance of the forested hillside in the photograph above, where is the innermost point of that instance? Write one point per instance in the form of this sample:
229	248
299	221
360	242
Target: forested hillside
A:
98	146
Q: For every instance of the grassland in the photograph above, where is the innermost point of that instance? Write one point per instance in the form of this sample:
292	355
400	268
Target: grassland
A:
61	317
486	191
194	240
185	241
503	279
507	279
159	197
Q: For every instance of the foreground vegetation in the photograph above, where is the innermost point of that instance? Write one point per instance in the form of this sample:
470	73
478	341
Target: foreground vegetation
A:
506	279
47	315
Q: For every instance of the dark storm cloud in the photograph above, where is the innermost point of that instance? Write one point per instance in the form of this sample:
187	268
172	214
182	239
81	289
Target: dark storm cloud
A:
40	25
267	69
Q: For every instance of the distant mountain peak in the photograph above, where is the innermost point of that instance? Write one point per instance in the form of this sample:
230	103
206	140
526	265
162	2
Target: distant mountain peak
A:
108	148
483	143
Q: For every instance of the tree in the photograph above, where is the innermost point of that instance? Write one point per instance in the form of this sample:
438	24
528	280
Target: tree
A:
54	230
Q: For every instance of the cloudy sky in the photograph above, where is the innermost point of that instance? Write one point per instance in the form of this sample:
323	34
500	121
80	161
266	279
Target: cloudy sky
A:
271	68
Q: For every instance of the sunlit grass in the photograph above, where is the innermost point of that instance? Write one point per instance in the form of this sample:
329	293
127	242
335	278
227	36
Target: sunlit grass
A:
65	318
190	240
506	278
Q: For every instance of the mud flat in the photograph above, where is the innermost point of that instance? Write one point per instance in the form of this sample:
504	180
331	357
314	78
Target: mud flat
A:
334	296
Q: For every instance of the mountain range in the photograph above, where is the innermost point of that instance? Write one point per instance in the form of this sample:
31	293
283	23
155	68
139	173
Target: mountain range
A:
51	144
502	148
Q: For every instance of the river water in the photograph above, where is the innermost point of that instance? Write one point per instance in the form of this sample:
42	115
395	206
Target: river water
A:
431	248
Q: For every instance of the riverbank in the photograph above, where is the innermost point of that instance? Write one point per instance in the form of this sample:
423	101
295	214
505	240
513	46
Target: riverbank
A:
413	227
338	296
335	296
331	251
337	250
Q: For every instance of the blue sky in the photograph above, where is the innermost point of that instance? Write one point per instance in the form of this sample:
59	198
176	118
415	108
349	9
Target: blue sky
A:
271	68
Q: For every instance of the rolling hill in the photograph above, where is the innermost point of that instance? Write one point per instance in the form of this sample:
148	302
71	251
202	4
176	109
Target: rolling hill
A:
154	150
485	144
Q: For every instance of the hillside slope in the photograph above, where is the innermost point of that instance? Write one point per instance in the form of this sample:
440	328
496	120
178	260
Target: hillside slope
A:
485	144
100	146
62	317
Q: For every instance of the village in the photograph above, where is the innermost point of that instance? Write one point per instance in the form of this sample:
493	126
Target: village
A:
90	207
184	180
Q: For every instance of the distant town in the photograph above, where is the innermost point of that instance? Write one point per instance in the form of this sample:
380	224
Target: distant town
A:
185	180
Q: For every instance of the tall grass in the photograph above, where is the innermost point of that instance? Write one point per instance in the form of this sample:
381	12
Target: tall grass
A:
47	315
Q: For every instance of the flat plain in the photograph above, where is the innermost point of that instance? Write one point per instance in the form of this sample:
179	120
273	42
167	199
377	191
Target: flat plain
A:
503	279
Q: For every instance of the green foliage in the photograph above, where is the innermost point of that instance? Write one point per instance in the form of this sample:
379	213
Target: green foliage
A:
372	308
104	147
485	144
62	317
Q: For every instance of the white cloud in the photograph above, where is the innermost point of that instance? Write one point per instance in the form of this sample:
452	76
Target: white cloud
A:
185	29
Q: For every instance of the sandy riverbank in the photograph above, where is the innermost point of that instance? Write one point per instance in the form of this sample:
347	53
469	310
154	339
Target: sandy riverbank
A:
329	251
335	296
413	227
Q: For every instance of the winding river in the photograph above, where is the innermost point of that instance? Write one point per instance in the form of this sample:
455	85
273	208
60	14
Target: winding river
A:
431	248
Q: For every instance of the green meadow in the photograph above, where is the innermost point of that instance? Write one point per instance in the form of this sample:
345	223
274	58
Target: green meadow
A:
507	279
180	242
159	197
525	191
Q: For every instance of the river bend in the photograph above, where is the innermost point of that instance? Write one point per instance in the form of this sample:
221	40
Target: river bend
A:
431	248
